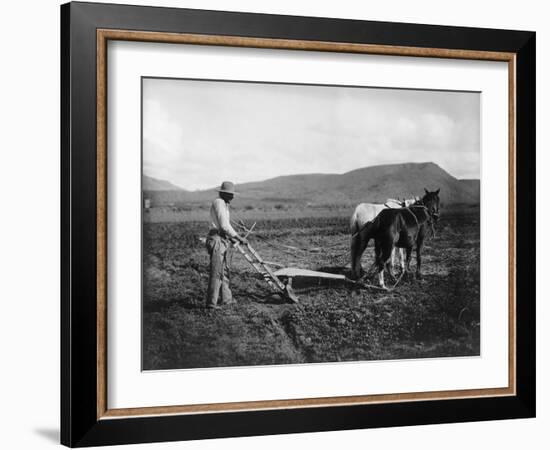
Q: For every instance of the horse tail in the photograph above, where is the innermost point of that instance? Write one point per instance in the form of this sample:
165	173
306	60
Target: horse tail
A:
361	235
355	243
353	224
371	228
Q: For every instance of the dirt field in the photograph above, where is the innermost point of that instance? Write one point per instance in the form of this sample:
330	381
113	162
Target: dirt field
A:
437	316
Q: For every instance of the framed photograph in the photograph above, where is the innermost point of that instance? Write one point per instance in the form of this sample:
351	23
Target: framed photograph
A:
277	224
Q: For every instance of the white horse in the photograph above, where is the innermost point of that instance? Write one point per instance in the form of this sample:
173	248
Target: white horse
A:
365	213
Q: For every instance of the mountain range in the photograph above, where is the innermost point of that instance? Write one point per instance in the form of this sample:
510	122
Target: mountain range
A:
369	184
154	184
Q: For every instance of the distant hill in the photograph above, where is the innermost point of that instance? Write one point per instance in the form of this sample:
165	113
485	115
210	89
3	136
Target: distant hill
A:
154	184
471	186
369	184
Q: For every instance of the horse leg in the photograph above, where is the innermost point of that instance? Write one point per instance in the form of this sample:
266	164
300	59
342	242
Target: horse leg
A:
379	264
395	254
358	245
355	269
419	246
407	263
381	279
390	270
383	251
390	265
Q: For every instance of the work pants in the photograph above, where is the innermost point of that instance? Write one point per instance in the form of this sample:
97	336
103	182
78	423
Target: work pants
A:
219	249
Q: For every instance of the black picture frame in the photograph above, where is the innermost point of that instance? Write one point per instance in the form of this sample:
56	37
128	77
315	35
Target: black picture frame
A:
80	425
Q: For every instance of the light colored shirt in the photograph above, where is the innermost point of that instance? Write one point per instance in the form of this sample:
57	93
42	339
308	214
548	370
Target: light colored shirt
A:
219	214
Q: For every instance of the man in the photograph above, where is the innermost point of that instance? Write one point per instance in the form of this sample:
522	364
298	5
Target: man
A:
218	243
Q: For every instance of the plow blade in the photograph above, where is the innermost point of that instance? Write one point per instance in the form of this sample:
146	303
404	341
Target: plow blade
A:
284	289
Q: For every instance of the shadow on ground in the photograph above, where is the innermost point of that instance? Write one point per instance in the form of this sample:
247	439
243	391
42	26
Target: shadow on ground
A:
49	434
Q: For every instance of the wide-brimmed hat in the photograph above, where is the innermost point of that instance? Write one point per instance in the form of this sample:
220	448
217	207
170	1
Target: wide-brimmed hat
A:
228	187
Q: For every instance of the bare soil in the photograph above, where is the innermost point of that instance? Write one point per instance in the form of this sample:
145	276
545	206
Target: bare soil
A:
436	316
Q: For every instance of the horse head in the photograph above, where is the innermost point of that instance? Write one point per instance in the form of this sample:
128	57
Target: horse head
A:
431	202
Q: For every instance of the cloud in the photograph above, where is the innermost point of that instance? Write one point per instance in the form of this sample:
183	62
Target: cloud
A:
196	133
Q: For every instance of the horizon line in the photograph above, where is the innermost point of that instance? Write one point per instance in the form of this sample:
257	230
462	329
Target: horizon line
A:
311	173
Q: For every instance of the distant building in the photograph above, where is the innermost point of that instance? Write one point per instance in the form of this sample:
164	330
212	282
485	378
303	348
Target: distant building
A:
147	204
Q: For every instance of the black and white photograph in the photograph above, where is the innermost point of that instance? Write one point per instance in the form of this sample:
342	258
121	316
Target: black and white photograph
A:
278	225
292	224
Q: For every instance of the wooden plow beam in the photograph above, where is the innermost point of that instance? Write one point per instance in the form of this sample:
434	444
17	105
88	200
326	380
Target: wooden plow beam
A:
291	272
285	289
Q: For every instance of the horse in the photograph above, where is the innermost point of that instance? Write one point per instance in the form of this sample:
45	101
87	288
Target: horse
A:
363	214
402	228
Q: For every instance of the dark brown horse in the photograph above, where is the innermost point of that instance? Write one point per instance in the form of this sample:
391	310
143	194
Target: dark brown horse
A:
403	228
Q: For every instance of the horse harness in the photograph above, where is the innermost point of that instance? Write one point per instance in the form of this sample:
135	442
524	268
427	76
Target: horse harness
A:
430	220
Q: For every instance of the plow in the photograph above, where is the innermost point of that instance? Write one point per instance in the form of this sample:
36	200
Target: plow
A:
270	277
280	280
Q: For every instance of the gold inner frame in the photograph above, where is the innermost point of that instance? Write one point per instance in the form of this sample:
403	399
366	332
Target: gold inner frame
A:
103	36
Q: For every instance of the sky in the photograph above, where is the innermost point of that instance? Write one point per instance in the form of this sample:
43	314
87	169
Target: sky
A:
198	133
